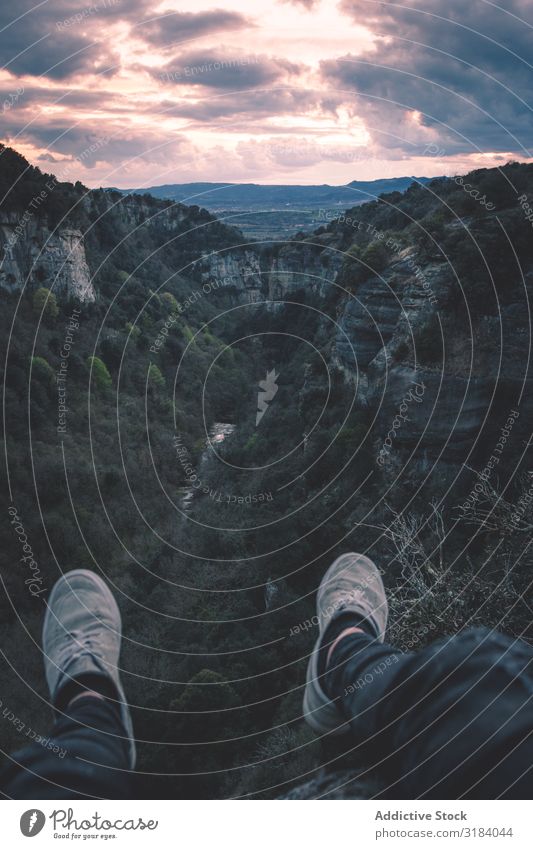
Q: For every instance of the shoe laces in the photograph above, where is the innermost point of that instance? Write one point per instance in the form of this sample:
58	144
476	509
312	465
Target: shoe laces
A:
84	645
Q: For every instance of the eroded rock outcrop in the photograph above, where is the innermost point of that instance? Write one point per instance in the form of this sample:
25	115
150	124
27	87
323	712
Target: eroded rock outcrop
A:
239	270
416	322
34	256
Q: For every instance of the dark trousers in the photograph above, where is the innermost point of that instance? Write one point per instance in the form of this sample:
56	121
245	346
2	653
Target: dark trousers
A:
92	761
451	721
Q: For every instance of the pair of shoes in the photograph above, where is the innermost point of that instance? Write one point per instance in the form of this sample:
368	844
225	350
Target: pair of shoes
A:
352	584
81	636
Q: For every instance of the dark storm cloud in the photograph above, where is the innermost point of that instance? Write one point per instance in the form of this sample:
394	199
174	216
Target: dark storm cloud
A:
61	38
34	96
84	145
176	27
224	70
252	105
462	64
58	136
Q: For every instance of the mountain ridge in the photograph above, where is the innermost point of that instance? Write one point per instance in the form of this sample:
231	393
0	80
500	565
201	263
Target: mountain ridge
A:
273	210
258	193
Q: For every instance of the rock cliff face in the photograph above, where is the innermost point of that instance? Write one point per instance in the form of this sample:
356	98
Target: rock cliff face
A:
61	259
33	256
301	265
142	211
238	270
402	315
384	308
402	319
457	330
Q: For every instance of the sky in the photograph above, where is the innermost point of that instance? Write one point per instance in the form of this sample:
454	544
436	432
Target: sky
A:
135	93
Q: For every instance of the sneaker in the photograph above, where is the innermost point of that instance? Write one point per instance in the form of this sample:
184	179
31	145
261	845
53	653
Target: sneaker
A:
81	635
351	584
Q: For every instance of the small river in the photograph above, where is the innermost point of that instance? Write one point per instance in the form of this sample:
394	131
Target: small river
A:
218	432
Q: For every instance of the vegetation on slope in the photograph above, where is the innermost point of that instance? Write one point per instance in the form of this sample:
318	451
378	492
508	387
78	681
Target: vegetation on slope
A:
218	605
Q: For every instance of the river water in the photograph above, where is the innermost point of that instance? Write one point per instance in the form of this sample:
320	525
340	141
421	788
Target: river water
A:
218	432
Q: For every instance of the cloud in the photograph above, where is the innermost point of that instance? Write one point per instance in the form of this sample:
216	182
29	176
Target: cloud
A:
34	96
110	154
453	71
249	106
443	71
60	39
295	152
309	4
221	69
170	27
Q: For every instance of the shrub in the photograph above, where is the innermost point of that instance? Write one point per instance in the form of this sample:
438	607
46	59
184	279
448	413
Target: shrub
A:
376	256
205	690
42	370
251	442
155	378
133	330
170	300
100	374
363	262
45	302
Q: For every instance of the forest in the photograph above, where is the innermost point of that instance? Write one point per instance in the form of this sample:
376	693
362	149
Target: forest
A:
108	407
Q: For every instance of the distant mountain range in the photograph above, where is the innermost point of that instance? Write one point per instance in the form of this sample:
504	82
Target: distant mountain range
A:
248	196
263	212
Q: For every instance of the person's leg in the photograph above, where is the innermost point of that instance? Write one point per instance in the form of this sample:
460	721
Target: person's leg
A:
351	594
91	752
452	720
86	756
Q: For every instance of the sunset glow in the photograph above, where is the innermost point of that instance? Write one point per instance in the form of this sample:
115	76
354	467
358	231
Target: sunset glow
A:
304	92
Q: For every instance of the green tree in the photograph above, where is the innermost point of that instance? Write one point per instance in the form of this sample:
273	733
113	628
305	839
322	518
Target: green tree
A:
100	374
170	300
133	331
207	690
155	378
42	370
376	256
187	332
45	302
